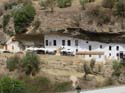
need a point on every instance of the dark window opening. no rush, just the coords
(46, 42)
(90, 47)
(109, 54)
(117, 48)
(54, 42)
(63, 42)
(69, 42)
(87, 42)
(117, 54)
(100, 46)
(110, 47)
(76, 50)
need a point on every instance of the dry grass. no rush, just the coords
(52, 58)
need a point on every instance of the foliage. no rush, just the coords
(8, 85)
(92, 64)
(116, 67)
(86, 69)
(64, 3)
(38, 85)
(13, 63)
(6, 19)
(48, 4)
(30, 63)
(119, 8)
(23, 15)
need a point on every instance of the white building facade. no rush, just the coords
(90, 49)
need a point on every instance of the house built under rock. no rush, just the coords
(87, 44)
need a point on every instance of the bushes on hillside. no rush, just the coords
(13, 63)
(64, 3)
(116, 67)
(23, 15)
(6, 19)
(119, 8)
(30, 63)
(8, 85)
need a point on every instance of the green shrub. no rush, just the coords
(13, 63)
(6, 19)
(23, 15)
(116, 67)
(38, 85)
(30, 63)
(119, 8)
(64, 3)
(92, 64)
(87, 70)
(61, 87)
(8, 85)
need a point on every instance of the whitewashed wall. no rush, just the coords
(84, 46)
(13, 46)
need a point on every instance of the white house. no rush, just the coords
(88, 49)
(19, 43)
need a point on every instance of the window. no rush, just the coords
(90, 47)
(110, 47)
(54, 42)
(69, 42)
(76, 50)
(117, 48)
(117, 54)
(100, 56)
(109, 54)
(87, 42)
(76, 43)
(46, 42)
(101, 46)
(63, 42)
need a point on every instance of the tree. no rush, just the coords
(8, 85)
(30, 63)
(92, 64)
(86, 70)
(48, 4)
(13, 63)
(23, 15)
(119, 8)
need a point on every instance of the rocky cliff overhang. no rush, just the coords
(105, 37)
